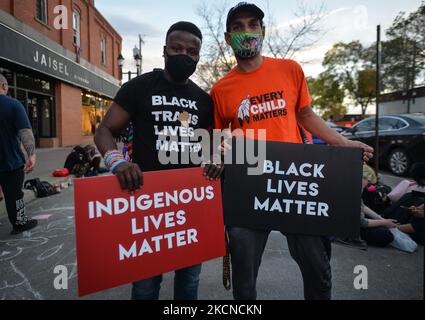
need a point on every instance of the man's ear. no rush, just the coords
(228, 38)
(264, 31)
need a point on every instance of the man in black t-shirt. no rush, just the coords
(160, 103)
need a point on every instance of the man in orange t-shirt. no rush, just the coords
(271, 94)
(269, 97)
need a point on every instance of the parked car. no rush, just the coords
(333, 126)
(401, 139)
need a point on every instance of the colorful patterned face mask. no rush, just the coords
(246, 44)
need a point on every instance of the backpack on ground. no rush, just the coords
(42, 189)
(375, 196)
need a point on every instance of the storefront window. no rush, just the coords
(8, 75)
(34, 84)
(93, 111)
(36, 95)
(22, 97)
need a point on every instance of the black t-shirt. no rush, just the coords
(159, 108)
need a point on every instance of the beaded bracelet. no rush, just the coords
(113, 158)
(116, 164)
(110, 154)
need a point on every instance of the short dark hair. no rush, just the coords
(417, 172)
(185, 26)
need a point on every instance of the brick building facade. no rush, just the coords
(65, 77)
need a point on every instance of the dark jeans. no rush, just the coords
(186, 283)
(11, 183)
(312, 254)
(379, 236)
(404, 217)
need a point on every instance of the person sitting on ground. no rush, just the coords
(75, 162)
(417, 173)
(370, 174)
(408, 203)
(418, 211)
(409, 211)
(84, 162)
(374, 229)
(93, 159)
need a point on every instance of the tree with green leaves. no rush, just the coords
(403, 55)
(349, 64)
(327, 96)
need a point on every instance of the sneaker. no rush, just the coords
(28, 226)
(356, 243)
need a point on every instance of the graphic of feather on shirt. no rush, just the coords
(243, 111)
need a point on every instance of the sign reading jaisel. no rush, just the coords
(17, 48)
(304, 189)
(174, 222)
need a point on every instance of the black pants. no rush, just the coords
(404, 217)
(11, 183)
(312, 254)
(379, 236)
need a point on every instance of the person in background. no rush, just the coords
(408, 199)
(84, 161)
(417, 173)
(93, 158)
(374, 229)
(127, 137)
(417, 211)
(15, 129)
(75, 162)
(369, 173)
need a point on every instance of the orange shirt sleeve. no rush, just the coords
(219, 121)
(304, 98)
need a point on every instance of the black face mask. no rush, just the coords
(180, 66)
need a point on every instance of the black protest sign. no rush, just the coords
(303, 189)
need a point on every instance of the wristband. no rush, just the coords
(111, 157)
(116, 164)
(112, 160)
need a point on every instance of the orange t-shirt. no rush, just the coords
(267, 98)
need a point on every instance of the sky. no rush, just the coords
(344, 21)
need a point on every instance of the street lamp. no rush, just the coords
(121, 65)
(120, 61)
(138, 58)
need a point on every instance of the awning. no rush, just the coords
(20, 49)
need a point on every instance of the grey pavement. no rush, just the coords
(27, 261)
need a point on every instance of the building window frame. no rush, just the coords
(76, 27)
(103, 50)
(41, 11)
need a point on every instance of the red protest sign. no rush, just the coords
(174, 221)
